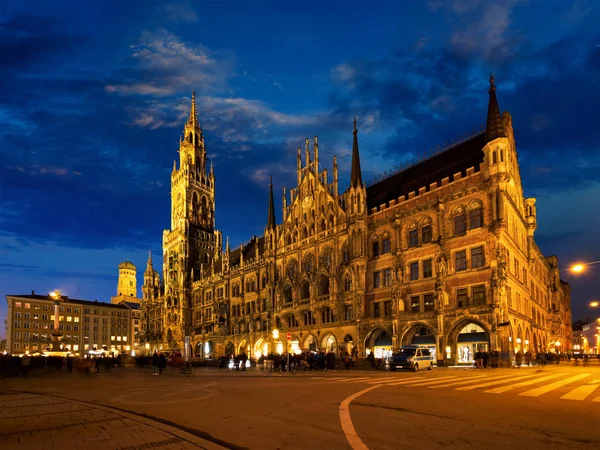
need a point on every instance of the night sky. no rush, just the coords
(94, 95)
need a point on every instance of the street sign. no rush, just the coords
(288, 336)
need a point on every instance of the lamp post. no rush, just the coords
(582, 266)
(56, 335)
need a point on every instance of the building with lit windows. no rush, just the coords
(440, 253)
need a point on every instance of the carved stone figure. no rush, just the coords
(442, 266)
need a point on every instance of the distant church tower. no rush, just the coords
(127, 284)
(192, 243)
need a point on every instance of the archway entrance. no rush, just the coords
(329, 343)
(229, 349)
(471, 339)
(241, 347)
(421, 335)
(348, 345)
(198, 350)
(261, 348)
(379, 342)
(310, 344)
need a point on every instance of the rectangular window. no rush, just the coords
(376, 310)
(461, 298)
(18, 304)
(476, 218)
(427, 268)
(27, 305)
(461, 261)
(414, 304)
(375, 249)
(477, 257)
(414, 271)
(387, 308)
(459, 224)
(387, 246)
(348, 312)
(426, 234)
(17, 315)
(413, 238)
(428, 302)
(376, 279)
(479, 295)
(387, 277)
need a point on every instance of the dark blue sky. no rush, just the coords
(94, 96)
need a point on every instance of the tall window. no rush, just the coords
(387, 245)
(476, 218)
(414, 304)
(479, 295)
(348, 312)
(427, 268)
(414, 271)
(376, 279)
(461, 298)
(376, 310)
(347, 284)
(426, 234)
(387, 277)
(413, 238)
(375, 249)
(461, 261)
(459, 224)
(387, 308)
(477, 257)
(428, 302)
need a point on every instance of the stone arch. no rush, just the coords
(261, 347)
(419, 333)
(310, 343)
(527, 342)
(304, 290)
(378, 335)
(242, 346)
(323, 287)
(329, 343)
(536, 348)
(466, 337)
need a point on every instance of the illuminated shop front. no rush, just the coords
(382, 345)
(471, 339)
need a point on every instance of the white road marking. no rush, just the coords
(502, 389)
(346, 421)
(355, 380)
(491, 383)
(550, 387)
(581, 392)
(468, 381)
(420, 381)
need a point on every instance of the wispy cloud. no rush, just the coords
(165, 65)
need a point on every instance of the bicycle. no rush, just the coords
(186, 368)
(297, 367)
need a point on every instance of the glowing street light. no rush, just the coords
(581, 267)
(594, 304)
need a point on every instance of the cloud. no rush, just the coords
(164, 65)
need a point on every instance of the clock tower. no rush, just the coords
(190, 246)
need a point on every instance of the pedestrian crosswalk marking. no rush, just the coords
(502, 389)
(463, 381)
(581, 393)
(597, 399)
(491, 383)
(352, 379)
(550, 387)
(416, 382)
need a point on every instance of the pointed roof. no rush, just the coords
(493, 128)
(149, 267)
(193, 119)
(271, 220)
(355, 173)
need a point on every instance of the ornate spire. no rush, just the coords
(271, 220)
(149, 267)
(493, 128)
(193, 120)
(355, 173)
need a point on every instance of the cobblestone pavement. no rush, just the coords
(33, 421)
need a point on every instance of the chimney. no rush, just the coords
(32, 292)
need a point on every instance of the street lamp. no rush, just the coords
(594, 304)
(582, 266)
(56, 335)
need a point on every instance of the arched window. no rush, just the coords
(323, 286)
(304, 291)
(287, 294)
(347, 283)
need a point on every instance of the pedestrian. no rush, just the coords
(155, 363)
(25, 365)
(162, 362)
(518, 359)
(527, 358)
(371, 359)
(478, 360)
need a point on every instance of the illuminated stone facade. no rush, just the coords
(441, 253)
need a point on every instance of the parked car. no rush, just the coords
(412, 357)
(175, 359)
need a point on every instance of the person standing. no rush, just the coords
(155, 363)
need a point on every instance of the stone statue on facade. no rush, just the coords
(442, 266)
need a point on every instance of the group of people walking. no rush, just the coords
(159, 362)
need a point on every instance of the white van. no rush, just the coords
(413, 357)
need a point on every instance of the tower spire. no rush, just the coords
(193, 120)
(493, 128)
(149, 267)
(271, 220)
(355, 173)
